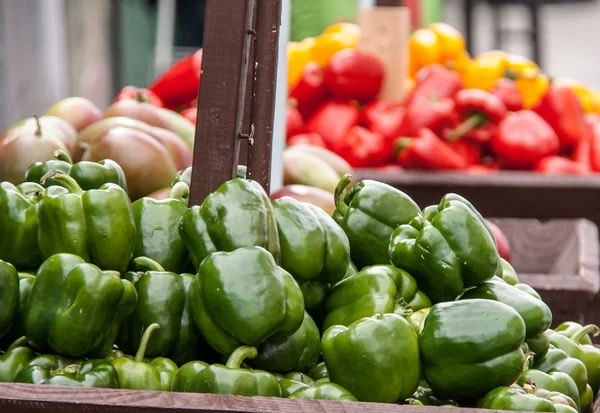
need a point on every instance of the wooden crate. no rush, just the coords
(559, 258)
(28, 398)
(504, 194)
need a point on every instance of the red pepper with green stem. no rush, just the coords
(179, 84)
(427, 151)
(436, 79)
(310, 91)
(476, 108)
(361, 148)
(561, 108)
(333, 120)
(523, 139)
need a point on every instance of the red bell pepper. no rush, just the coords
(587, 152)
(427, 151)
(190, 114)
(354, 74)
(310, 91)
(313, 139)
(558, 165)
(389, 125)
(481, 135)
(293, 121)
(179, 84)
(372, 110)
(507, 91)
(333, 120)
(476, 108)
(561, 108)
(523, 139)
(428, 112)
(435, 80)
(361, 147)
(470, 152)
(139, 94)
(482, 169)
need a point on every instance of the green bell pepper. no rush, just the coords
(557, 360)
(184, 176)
(75, 309)
(314, 249)
(61, 371)
(586, 353)
(587, 400)
(568, 328)
(447, 248)
(14, 359)
(526, 399)
(229, 378)
(470, 347)
(97, 224)
(375, 289)
(9, 295)
(19, 223)
(535, 313)
(157, 223)
(425, 396)
(556, 381)
(538, 345)
(375, 358)
(323, 391)
(143, 374)
(17, 330)
(162, 299)
(88, 175)
(238, 214)
(508, 273)
(368, 215)
(319, 372)
(298, 352)
(291, 383)
(243, 298)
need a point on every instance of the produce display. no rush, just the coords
(480, 115)
(376, 300)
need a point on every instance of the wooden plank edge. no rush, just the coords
(555, 282)
(589, 250)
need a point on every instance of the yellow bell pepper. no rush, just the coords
(328, 44)
(299, 54)
(517, 65)
(451, 42)
(344, 27)
(424, 50)
(585, 95)
(485, 70)
(532, 85)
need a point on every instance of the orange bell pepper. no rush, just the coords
(299, 54)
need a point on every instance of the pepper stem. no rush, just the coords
(401, 144)
(239, 355)
(528, 356)
(402, 308)
(242, 171)
(63, 180)
(72, 368)
(180, 191)
(62, 156)
(139, 356)
(146, 264)
(529, 387)
(584, 331)
(476, 120)
(340, 205)
(38, 131)
(17, 343)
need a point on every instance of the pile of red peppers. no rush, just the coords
(441, 125)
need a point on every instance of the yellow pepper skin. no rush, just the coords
(532, 85)
(451, 42)
(336, 37)
(299, 54)
(485, 70)
(424, 50)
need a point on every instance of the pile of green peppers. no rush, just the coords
(381, 302)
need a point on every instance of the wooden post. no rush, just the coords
(231, 33)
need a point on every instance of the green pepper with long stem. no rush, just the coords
(19, 223)
(97, 224)
(17, 356)
(141, 374)
(568, 328)
(368, 214)
(157, 229)
(229, 378)
(61, 371)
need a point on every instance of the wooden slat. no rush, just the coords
(266, 48)
(222, 88)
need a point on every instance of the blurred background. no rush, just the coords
(92, 48)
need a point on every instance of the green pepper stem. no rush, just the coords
(17, 343)
(146, 264)
(62, 156)
(529, 387)
(584, 331)
(242, 171)
(402, 308)
(72, 368)
(528, 356)
(476, 120)
(38, 131)
(401, 144)
(63, 180)
(340, 205)
(180, 191)
(239, 355)
(139, 356)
